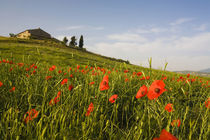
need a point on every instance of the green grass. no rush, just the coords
(127, 118)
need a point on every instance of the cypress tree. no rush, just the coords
(81, 42)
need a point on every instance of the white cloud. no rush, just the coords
(182, 53)
(127, 37)
(202, 27)
(151, 30)
(181, 21)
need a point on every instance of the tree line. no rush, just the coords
(73, 41)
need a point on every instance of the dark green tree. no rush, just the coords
(81, 42)
(65, 40)
(11, 35)
(73, 42)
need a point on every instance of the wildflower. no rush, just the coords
(156, 89)
(78, 66)
(59, 71)
(125, 71)
(1, 84)
(113, 98)
(70, 87)
(35, 67)
(52, 68)
(20, 64)
(143, 78)
(104, 85)
(91, 83)
(71, 76)
(64, 81)
(55, 100)
(176, 123)
(48, 77)
(90, 109)
(32, 114)
(169, 107)
(188, 75)
(11, 90)
(207, 103)
(164, 135)
(142, 92)
(126, 80)
(139, 74)
(148, 77)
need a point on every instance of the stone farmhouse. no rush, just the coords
(34, 34)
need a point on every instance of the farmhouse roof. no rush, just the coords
(37, 31)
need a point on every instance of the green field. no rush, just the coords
(25, 65)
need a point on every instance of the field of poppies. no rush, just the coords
(39, 101)
(49, 92)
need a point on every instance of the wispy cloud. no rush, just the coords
(126, 37)
(80, 27)
(202, 27)
(181, 21)
(151, 30)
(181, 52)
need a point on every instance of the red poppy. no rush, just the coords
(64, 81)
(156, 89)
(52, 68)
(139, 73)
(1, 84)
(113, 98)
(70, 87)
(59, 71)
(35, 67)
(30, 115)
(91, 83)
(148, 77)
(169, 107)
(188, 75)
(164, 135)
(142, 92)
(207, 103)
(126, 80)
(90, 109)
(176, 123)
(27, 69)
(78, 66)
(20, 64)
(55, 100)
(125, 71)
(11, 90)
(48, 77)
(71, 76)
(104, 85)
(143, 78)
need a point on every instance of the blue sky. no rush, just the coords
(173, 31)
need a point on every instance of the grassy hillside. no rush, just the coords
(50, 52)
(48, 91)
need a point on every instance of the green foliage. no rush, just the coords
(73, 42)
(65, 40)
(81, 42)
(11, 35)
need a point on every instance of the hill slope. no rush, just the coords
(41, 101)
(50, 52)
